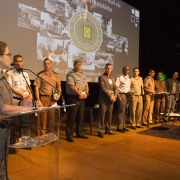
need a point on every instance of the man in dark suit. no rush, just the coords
(172, 85)
(107, 97)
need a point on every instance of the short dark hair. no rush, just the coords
(108, 64)
(150, 70)
(77, 61)
(3, 46)
(17, 56)
(46, 60)
(135, 68)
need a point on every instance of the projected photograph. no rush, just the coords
(86, 58)
(49, 48)
(96, 32)
(101, 59)
(51, 27)
(28, 17)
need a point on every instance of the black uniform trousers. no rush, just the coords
(75, 113)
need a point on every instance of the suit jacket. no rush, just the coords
(106, 88)
(169, 86)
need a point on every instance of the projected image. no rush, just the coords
(122, 45)
(51, 27)
(28, 17)
(96, 32)
(101, 59)
(86, 58)
(49, 48)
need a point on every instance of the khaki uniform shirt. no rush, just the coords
(149, 84)
(6, 96)
(78, 79)
(160, 86)
(44, 87)
(137, 85)
(17, 80)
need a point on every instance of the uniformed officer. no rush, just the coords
(136, 100)
(16, 79)
(160, 97)
(19, 83)
(47, 95)
(123, 83)
(8, 105)
(77, 90)
(107, 97)
(149, 92)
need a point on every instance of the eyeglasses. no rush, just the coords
(8, 54)
(126, 69)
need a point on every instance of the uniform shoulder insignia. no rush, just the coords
(119, 75)
(55, 72)
(40, 72)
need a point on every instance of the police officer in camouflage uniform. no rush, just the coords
(77, 90)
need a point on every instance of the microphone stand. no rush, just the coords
(33, 97)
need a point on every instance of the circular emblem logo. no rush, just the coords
(85, 32)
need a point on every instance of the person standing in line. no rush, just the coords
(123, 83)
(136, 99)
(47, 95)
(78, 90)
(19, 84)
(172, 85)
(160, 97)
(149, 92)
(107, 97)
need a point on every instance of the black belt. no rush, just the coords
(45, 95)
(17, 98)
(73, 95)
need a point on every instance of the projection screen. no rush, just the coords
(94, 31)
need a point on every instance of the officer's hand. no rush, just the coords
(85, 96)
(23, 96)
(81, 96)
(39, 104)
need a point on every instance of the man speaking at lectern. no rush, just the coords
(8, 105)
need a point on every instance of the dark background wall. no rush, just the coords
(159, 40)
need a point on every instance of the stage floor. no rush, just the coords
(124, 156)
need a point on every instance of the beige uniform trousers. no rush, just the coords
(148, 109)
(135, 107)
(46, 115)
(159, 105)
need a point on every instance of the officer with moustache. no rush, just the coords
(77, 90)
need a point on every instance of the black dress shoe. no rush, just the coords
(83, 137)
(14, 151)
(70, 139)
(110, 132)
(144, 124)
(121, 130)
(125, 129)
(28, 148)
(139, 127)
(100, 135)
(133, 127)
